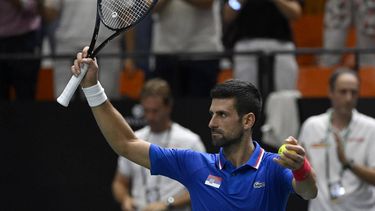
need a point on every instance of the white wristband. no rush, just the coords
(95, 95)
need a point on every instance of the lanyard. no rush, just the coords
(344, 138)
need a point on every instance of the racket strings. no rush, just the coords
(118, 14)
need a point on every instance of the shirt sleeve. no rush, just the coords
(173, 163)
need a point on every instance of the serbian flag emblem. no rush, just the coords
(213, 181)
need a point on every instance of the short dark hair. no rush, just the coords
(158, 87)
(247, 96)
(337, 73)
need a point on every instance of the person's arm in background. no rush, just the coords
(179, 201)
(229, 13)
(290, 8)
(51, 10)
(113, 126)
(129, 39)
(121, 191)
(182, 199)
(364, 173)
(304, 184)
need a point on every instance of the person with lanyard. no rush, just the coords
(155, 192)
(242, 176)
(340, 144)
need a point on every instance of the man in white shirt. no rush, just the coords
(155, 192)
(341, 147)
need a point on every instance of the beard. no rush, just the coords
(220, 139)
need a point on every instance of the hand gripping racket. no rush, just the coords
(117, 15)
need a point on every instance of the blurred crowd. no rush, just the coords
(154, 47)
(179, 42)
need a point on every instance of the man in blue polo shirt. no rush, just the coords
(241, 177)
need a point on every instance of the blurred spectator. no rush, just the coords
(187, 26)
(258, 25)
(338, 17)
(76, 15)
(133, 186)
(20, 23)
(340, 146)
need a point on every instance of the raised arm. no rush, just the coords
(115, 129)
(304, 181)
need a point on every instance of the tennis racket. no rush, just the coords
(116, 15)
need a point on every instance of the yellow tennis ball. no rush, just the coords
(283, 148)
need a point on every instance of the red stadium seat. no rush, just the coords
(45, 87)
(131, 83)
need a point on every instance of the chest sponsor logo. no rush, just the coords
(213, 181)
(320, 144)
(259, 185)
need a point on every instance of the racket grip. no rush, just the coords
(71, 87)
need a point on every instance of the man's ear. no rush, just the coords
(248, 120)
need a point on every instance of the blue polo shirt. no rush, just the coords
(215, 184)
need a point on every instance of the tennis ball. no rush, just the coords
(283, 148)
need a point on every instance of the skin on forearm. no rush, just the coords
(306, 188)
(113, 126)
(182, 200)
(295, 160)
(229, 14)
(120, 136)
(129, 40)
(120, 188)
(129, 47)
(364, 173)
(290, 8)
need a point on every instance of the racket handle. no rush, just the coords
(71, 87)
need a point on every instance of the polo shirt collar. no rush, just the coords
(254, 161)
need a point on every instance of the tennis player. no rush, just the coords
(242, 176)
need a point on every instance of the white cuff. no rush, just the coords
(95, 95)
